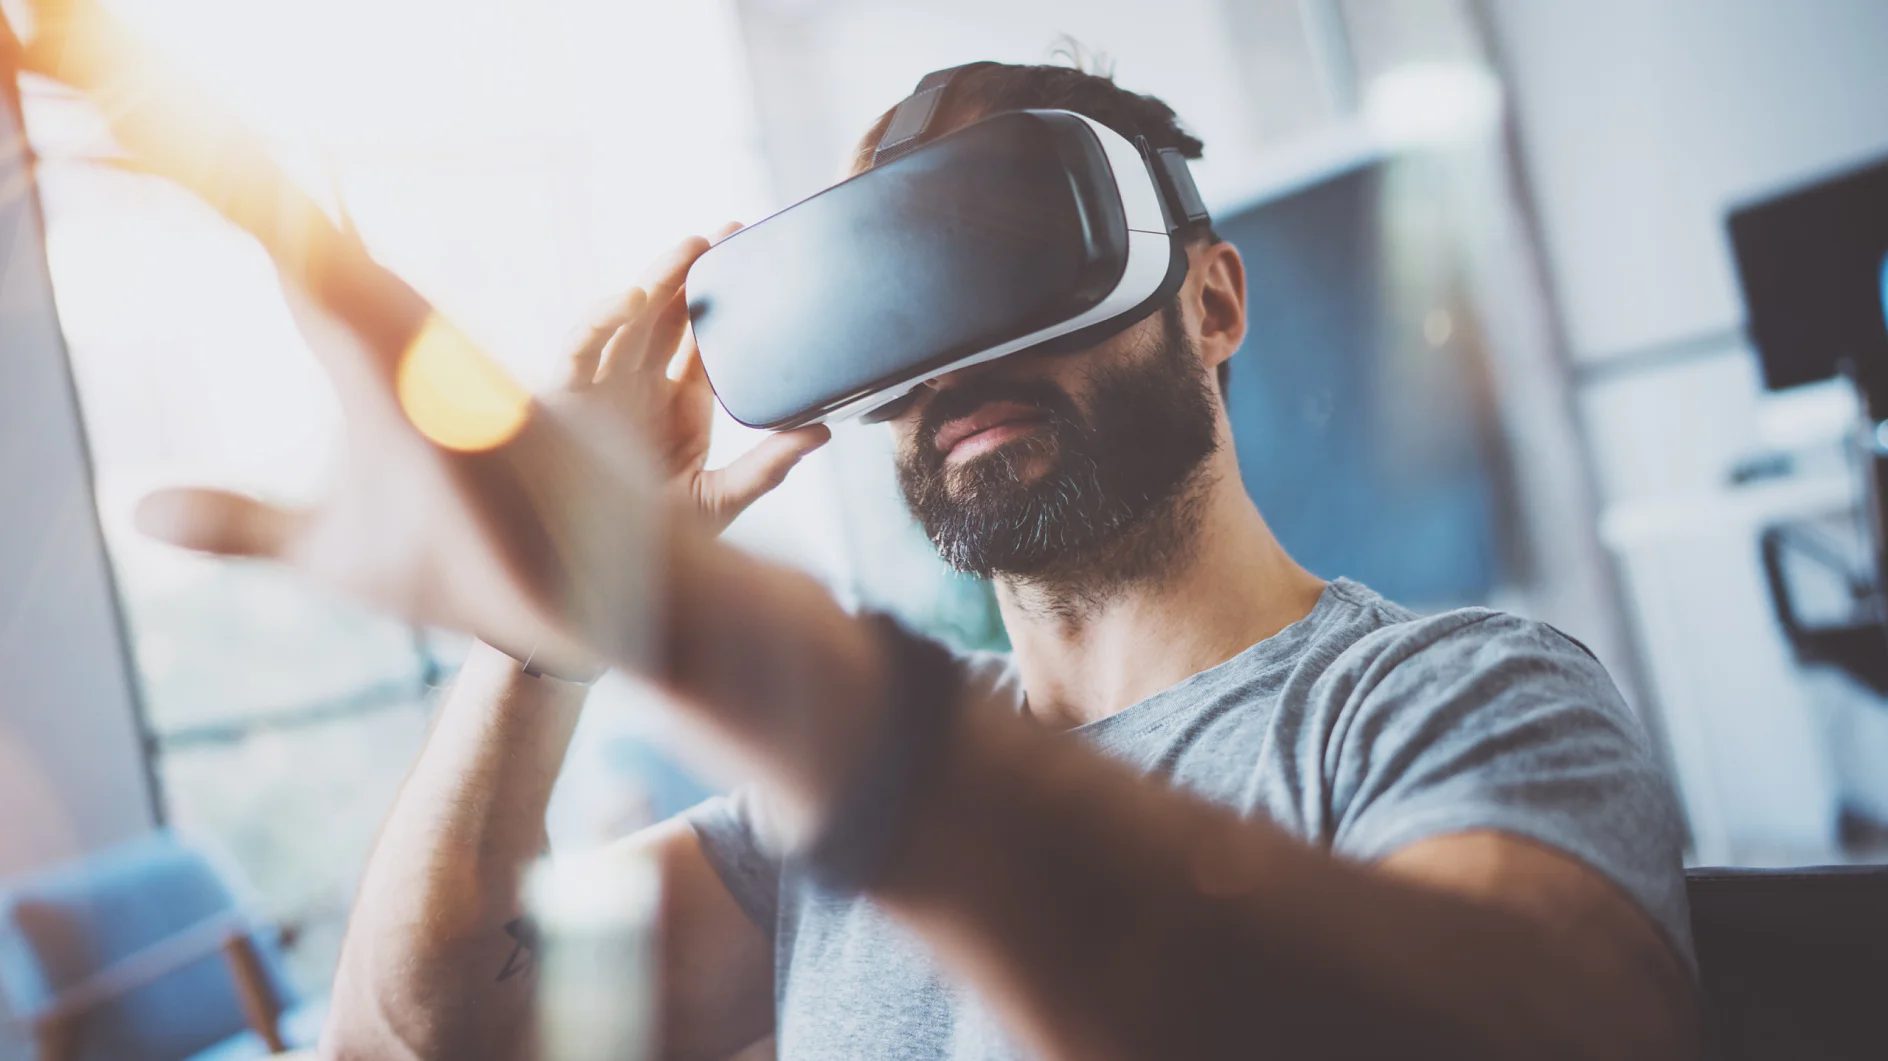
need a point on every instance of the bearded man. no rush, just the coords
(1209, 806)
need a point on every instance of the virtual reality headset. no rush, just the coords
(1029, 231)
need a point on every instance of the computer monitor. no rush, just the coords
(1810, 263)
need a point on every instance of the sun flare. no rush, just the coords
(457, 396)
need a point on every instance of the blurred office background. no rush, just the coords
(1497, 357)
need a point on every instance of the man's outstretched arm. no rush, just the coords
(1106, 915)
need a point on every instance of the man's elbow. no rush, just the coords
(1659, 1021)
(358, 1028)
(370, 1020)
(1614, 1007)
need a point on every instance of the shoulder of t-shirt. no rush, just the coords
(1396, 635)
(1475, 661)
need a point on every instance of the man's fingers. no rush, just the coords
(586, 348)
(648, 341)
(643, 349)
(688, 369)
(217, 521)
(730, 490)
(665, 277)
(666, 331)
(692, 372)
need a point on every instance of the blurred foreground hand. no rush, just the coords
(458, 499)
(546, 541)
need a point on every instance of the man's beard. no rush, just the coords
(1113, 505)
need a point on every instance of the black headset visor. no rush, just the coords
(1017, 232)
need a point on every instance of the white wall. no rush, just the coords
(1639, 121)
(71, 775)
(1643, 118)
(824, 69)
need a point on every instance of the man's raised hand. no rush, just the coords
(636, 350)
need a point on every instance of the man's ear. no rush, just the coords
(1216, 282)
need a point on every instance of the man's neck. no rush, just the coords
(1087, 652)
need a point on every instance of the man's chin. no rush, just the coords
(997, 491)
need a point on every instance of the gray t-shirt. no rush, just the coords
(1361, 728)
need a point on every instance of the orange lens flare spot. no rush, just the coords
(456, 395)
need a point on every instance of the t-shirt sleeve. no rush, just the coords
(1494, 722)
(737, 837)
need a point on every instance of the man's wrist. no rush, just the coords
(532, 665)
(875, 806)
(981, 810)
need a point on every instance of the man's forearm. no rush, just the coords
(1109, 917)
(436, 963)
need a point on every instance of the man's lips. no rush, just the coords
(990, 425)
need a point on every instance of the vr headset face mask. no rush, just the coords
(1039, 230)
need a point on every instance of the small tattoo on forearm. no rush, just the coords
(524, 950)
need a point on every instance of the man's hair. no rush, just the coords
(983, 89)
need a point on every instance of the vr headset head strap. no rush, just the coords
(912, 118)
(1177, 190)
(1179, 196)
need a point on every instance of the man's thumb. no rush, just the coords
(733, 488)
(215, 521)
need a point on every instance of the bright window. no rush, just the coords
(518, 162)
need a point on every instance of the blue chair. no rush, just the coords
(142, 953)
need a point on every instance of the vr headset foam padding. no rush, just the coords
(1037, 230)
